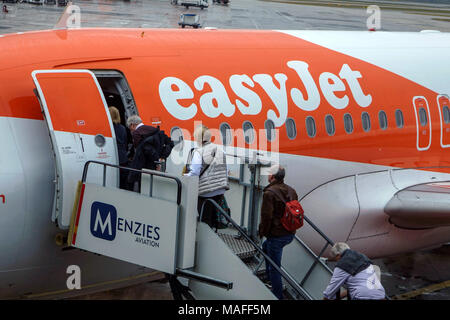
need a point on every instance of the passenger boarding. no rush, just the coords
(360, 120)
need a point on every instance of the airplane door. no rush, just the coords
(423, 123)
(444, 113)
(80, 129)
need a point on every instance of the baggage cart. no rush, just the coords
(189, 19)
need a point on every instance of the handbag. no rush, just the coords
(189, 159)
(222, 222)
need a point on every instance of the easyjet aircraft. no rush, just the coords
(362, 119)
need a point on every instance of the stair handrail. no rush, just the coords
(281, 270)
(328, 242)
(311, 253)
(143, 171)
(323, 235)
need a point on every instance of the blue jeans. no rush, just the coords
(273, 247)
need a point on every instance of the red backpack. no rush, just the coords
(292, 218)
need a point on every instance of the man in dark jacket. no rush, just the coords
(273, 206)
(146, 147)
(151, 145)
(139, 130)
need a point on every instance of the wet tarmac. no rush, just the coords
(155, 290)
(242, 14)
(422, 275)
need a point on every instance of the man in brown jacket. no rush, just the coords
(273, 206)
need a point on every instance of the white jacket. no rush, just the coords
(213, 173)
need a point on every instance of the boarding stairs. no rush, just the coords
(159, 228)
(304, 274)
(234, 254)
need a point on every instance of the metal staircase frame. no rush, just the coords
(151, 173)
(177, 288)
(284, 274)
(250, 234)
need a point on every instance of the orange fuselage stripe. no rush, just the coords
(264, 59)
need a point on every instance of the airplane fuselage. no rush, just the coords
(352, 110)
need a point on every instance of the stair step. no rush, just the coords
(241, 247)
(253, 264)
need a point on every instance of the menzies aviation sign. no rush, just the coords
(103, 221)
(127, 226)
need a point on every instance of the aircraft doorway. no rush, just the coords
(117, 92)
(81, 130)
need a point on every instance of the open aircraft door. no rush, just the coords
(80, 129)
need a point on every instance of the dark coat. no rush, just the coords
(272, 209)
(152, 145)
(142, 132)
(146, 154)
(122, 142)
(353, 262)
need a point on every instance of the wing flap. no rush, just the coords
(420, 207)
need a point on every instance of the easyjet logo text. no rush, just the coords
(174, 92)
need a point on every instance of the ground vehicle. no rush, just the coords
(192, 20)
(221, 1)
(194, 3)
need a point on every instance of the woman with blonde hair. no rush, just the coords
(208, 161)
(122, 144)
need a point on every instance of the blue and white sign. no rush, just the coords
(128, 226)
(103, 221)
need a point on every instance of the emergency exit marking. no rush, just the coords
(156, 120)
(2, 198)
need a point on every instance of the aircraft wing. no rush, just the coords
(421, 206)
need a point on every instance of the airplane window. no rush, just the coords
(291, 129)
(310, 126)
(225, 131)
(177, 136)
(249, 132)
(348, 123)
(270, 130)
(382, 118)
(399, 118)
(423, 117)
(329, 124)
(365, 119)
(446, 113)
(100, 140)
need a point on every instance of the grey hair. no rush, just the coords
(338, 249)
(134, 119)
(202, 134)
(277, 172)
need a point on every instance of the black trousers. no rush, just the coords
(123, 175)
(210, 211)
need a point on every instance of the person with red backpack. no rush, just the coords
(281, 216)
